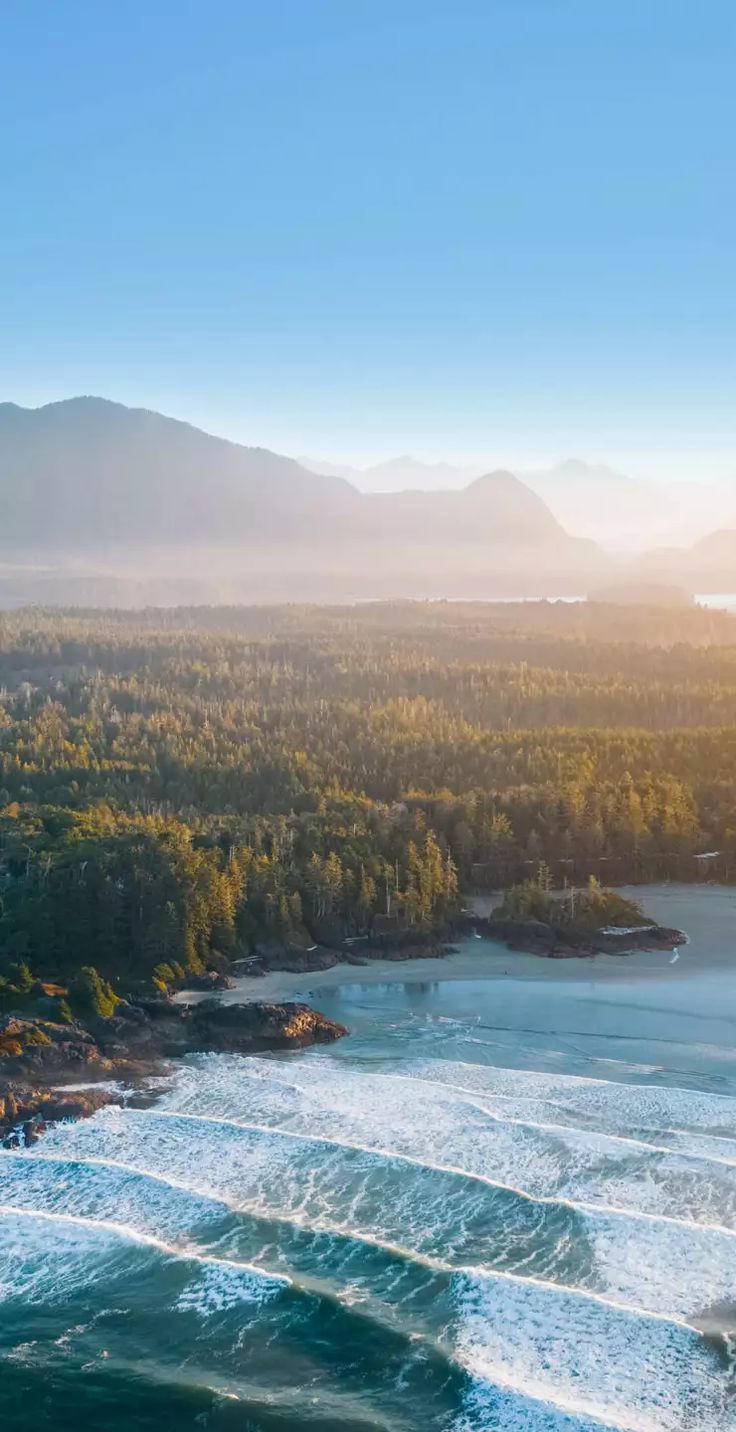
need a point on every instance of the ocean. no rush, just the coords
(503, 1202)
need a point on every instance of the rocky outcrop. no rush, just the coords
(295, 959)
(169, 1030)
(246, 1028)
(537, 937)
(211, 981)
(25, 1110)
(333, 947)
(30, 1045)
(35, 1054)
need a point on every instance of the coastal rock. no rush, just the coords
(170, 1029)
(243, 1028)
(211, 981)
(538, 937)
(295, 959)
(25, 1110)
(133, 1045)
(42, 1046)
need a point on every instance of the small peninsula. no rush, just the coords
(66, 1068)
(573, 924)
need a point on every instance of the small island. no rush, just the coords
(573, 924)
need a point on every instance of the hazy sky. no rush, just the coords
(359, 227)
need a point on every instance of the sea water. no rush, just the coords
(442, 1222)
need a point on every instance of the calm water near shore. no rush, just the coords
(507, 1201)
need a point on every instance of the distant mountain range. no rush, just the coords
(594, 500)
(88, 470)
(588, 499)
(104, 503)
(398, 474)
(89, 480)
(709, 565)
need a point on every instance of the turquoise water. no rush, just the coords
(432, 1225)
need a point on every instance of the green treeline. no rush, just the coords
(177, 785)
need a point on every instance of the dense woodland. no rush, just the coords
(183, 786)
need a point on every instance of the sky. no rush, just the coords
(496, 231)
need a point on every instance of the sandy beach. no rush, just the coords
(653, 1008)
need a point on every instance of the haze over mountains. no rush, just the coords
(137, 493)
(104, 503)
(589, 499)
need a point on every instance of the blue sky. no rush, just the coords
(354, 228)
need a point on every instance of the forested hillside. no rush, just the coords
(177, 784)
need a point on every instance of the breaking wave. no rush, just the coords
(400, 1242)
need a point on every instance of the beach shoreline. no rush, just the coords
(481, 959)
(674, 1012)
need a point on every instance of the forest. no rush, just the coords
(179, 788)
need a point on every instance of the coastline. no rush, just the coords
(484, 960)
(470, 959)
(672, 1015)
(41, 1061)
(648, 997)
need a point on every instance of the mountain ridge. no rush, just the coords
(91, 469)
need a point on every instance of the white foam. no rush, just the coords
(616, 1106)
(608, 1210)
(98, 1185)
(606, 1370)
(506, 1329)
(414, 1118)
(656, 1265)
(497, 1409)
(221, 1287)
(107, 1230)
(38, 1266)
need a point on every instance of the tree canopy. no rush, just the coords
(175, 787)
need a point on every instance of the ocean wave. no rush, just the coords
(105, 1228)
(414, 1119)
(432, 1216)
(666, 1382)
(125, 1189)
(505, 1327)
(481, 1247)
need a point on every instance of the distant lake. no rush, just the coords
(717, 599)
(725, 600)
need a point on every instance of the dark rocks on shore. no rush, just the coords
(295, 959)
(26, 1110)
(333, 947)
(30, 1045)
(170, 1029)
(537, 937)
(211, 981)
(36, 1054)
(245, 1028)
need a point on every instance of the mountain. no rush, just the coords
(594, 500)
(590, 500)
(88, 471)
(718, 547)
(97, 494)
(397, 474)
(708, 565)
(497, 507)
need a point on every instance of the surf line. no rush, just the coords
(478, 1099)
(121, 1230)
(565, 1080)
(426, 1260)
(577, 1205)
